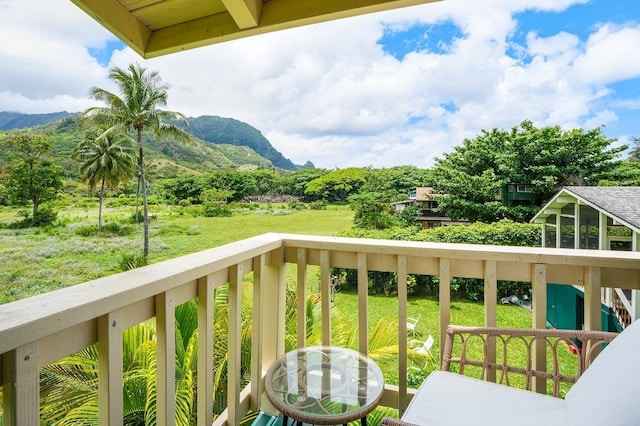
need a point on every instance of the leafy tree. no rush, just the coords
(297, 181)
(627, 173)
(399, 180)
(182, 187)
(32, 177)
(269, 182)
(338, 185)
(136, 109)
(634, 153)
(239, 183)
(371, 210)
(544, 158)
(107, 158)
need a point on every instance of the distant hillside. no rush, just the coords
(166, 158)
(227, 130)
(16, 120)
(253, 147)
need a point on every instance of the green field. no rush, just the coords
(40, 260)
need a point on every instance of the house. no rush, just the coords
(516, 194)
(596, 218)
(426, 200)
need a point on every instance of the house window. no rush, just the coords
(524, 188)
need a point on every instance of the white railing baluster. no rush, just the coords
(325, 296)
(539, 319)
(363, 305)
(301, 294)
(110, 406)
(490, 311)
(234, 346)
(21, 390)
(165, 358)
(444, 299)
(205, 351)
(402, 333)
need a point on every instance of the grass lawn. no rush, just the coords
(40, 260)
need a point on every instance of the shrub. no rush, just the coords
(215, 209)
(130, 261)
(318, 205)
(184, 203)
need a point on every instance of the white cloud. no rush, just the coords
(612, 54)
(329, 93)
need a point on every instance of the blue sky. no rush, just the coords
(393, 88)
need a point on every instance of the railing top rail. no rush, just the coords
(551, 256)
(30, 319)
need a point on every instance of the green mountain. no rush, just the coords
(16, 120)
(166, 157)
(227, 130)
(218, 143)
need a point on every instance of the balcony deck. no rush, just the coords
(37, 331)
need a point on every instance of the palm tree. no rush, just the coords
(142, 93)
(108, 158)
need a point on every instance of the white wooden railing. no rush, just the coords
(37, 331)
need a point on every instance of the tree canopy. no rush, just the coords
(32, 176)
(545, 159)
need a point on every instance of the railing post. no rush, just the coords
(444, 298)
(257, 334)
(325, 296)
(21, 390)
(402, 338)
(205, 351)
(539, 307)
(110, 405)
(363, 303)
(592, 301)
(301, 296)
(273, 293)
(490, 314)
(235, 336)
(165, 358)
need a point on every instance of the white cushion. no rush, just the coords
(608, 393)
(452, 399)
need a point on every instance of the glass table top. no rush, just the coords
(324, 384)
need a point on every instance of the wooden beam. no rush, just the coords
(112, 15)
(275, 16)
(246, 13)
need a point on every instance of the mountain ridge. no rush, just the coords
(212, 130)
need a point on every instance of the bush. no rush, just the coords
(184, 203)
(45, 216)
(296, 205)
(130, 261)
(109, 229)
(318, 205)
(504, 232)
(215, 209)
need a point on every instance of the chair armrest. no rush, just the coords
(388, 421)
(494, 343)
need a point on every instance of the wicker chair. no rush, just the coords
(605, 394)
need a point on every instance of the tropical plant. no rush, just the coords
(142, 93)
(69, 387)
(108, 158)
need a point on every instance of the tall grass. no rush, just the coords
(36, 261)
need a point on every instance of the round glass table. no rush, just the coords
(324, 385)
